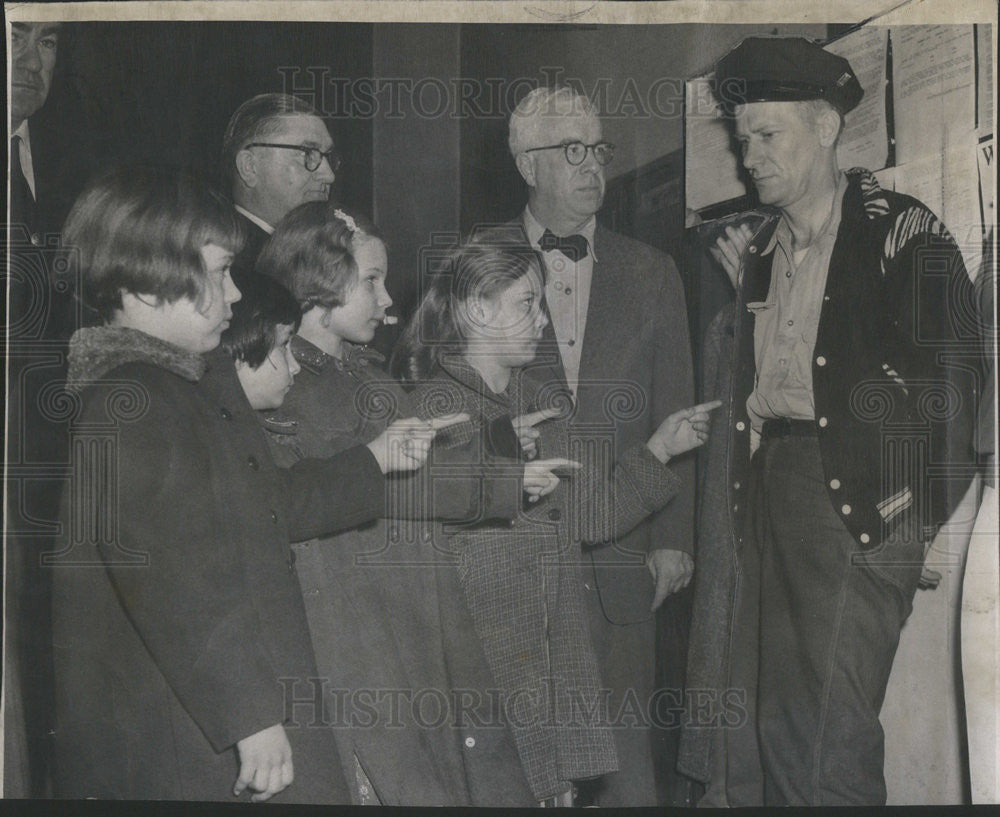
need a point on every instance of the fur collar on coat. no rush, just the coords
(95, 351)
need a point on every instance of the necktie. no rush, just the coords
(22, 204)
(574, 247)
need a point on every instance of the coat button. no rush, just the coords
(555, 514)
(845, 509)
(835, 484)
(225, 414)
(821, 361)
(741, 426)
(252, 462)
(470, 743)
(291, 560)
(822, 422)
(736, 485)
(274, 517)
(752, 248)
(865, 538)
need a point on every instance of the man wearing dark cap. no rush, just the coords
(849, 429)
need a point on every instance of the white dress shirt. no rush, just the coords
(567, 295)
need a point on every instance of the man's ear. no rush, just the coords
(246, 167)
(526, 167)
(828, 127)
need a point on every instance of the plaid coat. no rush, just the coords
(522, 580)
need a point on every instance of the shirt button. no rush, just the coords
(470, 743)
(845, 509)
(822, 422)
(252, 462)
(788, 274)
(835, 484)
(821, 361)
(274, 517)
(865, 538)
(225, 414)
(572, 342)
(791, 323)
(569, 290)
(555, 514)
(741, 426)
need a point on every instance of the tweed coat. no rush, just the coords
(523, 581)
(178, 624)
(635, 370)
(372, 597)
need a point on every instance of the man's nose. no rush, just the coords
(751, 155)
(325, 172)
(28, 58)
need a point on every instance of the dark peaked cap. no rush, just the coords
(784, 69)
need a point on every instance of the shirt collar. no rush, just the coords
(267, 228)
(22, 132)
(534, 229)
(783, 234)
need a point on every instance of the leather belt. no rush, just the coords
(783, 427)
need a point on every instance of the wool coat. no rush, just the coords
(377, 614)
(523, 582)
(179, 627)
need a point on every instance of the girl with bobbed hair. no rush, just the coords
(476, 329)
(179, 633)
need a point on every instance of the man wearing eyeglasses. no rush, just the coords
(618, 341)
(277, 154)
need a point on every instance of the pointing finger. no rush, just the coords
(446, 420)
(533, 418)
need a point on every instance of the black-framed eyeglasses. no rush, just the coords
(576, 152)
(312, 157)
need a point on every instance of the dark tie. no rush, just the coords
(574, 247)
(23, 209)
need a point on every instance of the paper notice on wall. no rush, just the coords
(865, 140)
(934, 89)
(711, 171)
(988, 180)
(948, 184)
(984, 66)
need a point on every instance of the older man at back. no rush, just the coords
(617, 345)
(276, 154)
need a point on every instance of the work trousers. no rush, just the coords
(817, 626)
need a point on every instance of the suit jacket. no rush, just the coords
(635, 369)
(256, 238)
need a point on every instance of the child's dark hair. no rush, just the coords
(264, 307)
(141, 230)
(311, 253)
(480, 268)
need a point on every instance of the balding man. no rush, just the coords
(617, 343)
(276, 154)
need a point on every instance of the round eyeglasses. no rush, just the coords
(576, 152)
(311, 157)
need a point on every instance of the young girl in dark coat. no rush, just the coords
(181, 645)
(478, 324)
(384, 610)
